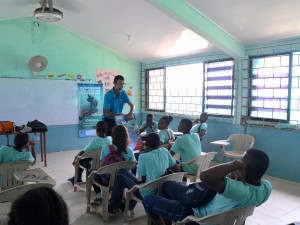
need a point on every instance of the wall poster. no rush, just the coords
(90, 102)
(106, 77)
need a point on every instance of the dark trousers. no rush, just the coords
(124, 179)
(111, 124)
(175, 204)
(86, 164)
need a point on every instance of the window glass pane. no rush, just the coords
(269, 93)
(155, 88)
(184, 83)
(218, 87)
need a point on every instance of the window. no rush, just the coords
(184, 89)
(219, 87)
(155, 89)
(270, 87)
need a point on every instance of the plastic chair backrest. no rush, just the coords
(234, 216)
(203, 162)
(95, 156)
(158, 183)
(7, 173)
(242, 142)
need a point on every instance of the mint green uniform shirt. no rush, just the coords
(189, 147)
(153, 165)
(148, 130)
(164, 137)
(97, 142)
(129, 156)
(196, 127)
(9, 154)
(236, 195)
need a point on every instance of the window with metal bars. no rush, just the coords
(219, 89)
(275, 87)
(182, 89)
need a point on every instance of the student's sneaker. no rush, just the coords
(71, 181)
(97, 201)
(113, 212)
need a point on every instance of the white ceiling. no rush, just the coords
(155, 35)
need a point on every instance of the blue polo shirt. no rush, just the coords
(114, 103)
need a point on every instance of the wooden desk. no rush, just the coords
(42, 143)
(34, 175)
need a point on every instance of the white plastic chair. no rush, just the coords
(155, 184)
(8, 196)
(203, 162)
(111, 169)
(241, 143)
(7, 173)
(231, 217)
(96, 164)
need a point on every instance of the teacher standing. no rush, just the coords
(114, 101)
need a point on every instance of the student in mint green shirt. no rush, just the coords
(201, 126)
(149, 125)
(98, 142)
(151, 165)
(18, 152)
(166, 135)
(188, 146)
(244, 188)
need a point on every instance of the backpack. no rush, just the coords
(37, 125)
(113, 156)
(199, 128)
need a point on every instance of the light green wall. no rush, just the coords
(66, 52)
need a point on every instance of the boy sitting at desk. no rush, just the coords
(201, 126)
(188, 146)
(17, 153)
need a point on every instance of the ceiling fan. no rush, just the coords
(47, 13)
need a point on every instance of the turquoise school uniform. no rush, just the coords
(165, 135)
(115, 103)
(153, 165)
(98, 142)
(148, 130)
(195, 128)
(129, 156)
(236, 195)
(10, 154)
(189, 147)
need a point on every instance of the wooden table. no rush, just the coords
(34, 175)
(42, 143)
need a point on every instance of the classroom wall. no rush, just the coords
(282, 146)
(67, 53)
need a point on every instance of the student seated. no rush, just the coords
(201, 126)
(120, 143)
(188, 146)
(39, 206)
(247, 189)
(151, 165)
(98, 142)
(166, 135)
(18, 152)
(149, 125)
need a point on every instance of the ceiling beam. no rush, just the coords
(194, 20)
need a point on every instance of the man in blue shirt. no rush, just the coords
(114, 101)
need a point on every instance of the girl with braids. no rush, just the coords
(120, 149)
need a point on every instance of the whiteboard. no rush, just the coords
(53, 102)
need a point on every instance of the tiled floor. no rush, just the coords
(283, 206)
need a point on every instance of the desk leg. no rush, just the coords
(44, 147)
(41, 146)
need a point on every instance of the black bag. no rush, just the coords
(197, 194)
(37, 125)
